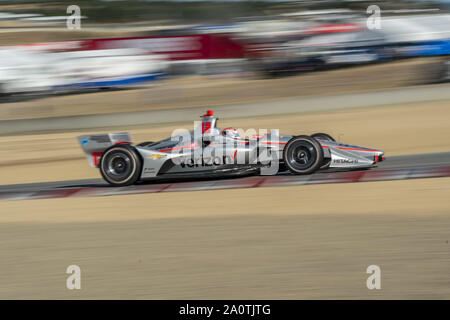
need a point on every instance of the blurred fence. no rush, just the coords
(271, 46)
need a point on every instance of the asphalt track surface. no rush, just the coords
(393, 168)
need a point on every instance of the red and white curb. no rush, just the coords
(248, 182)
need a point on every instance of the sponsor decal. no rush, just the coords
(149, 170)
(156, 156)
(100, 138)
(206, 161)
(349, 161)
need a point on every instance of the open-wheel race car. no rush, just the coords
(208, 152)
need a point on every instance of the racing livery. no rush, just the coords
(207, 152)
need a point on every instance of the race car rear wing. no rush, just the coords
(94, 145)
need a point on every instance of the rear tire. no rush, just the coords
(303, 155)
(121, 165)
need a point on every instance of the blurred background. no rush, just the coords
(126, 44)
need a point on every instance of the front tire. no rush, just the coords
(121, 165)
(303, 155)
(322, 136)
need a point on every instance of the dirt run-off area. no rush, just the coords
(307, 242)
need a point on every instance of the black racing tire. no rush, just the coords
(303, 155)
(322, 136)
(121, 165)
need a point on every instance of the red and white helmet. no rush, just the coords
(231, 133)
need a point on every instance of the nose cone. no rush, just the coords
(379, 156)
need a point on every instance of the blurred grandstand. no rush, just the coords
(134, 42)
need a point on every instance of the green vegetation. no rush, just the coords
(147, 11)
(156, 11)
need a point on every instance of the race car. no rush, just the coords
(207, 152)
